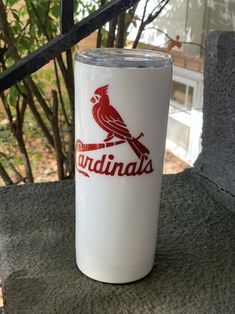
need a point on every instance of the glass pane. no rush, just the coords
(190, 97)
(178, 133)
(181, 96)
(178, 93)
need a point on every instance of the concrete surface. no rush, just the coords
(216, 163)
(193, 268)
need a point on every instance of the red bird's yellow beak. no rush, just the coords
(93, 99)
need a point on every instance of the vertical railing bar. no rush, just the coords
(66, 17)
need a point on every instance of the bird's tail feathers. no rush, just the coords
(138, 148)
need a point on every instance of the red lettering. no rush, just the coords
(107, 171)
(119, 166)
(139, 172)
(107, 166)
(88, 163)
(81, 160)
(131, 169)
(149, 167)
(98, 166)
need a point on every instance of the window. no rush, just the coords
(185, 116)
(181, 96)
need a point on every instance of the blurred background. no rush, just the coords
(36, 115)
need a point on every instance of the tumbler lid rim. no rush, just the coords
(124, 58)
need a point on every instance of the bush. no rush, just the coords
(37, 117)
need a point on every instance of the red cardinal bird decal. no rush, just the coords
(110, 120)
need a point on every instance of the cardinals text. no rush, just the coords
(107, 165)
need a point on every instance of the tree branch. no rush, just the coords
(71, 92)
(172, 39)
(99, 34)
(7, 180)
(60, 60)
(6, 107)
(40, 23)
(20, 178)
(144, 12)
(18, 133)
(16, 128)
(158, 10)
(38, 117)
(57, 140)
(60, 92)
(120, 40)
(34, 90)
(111, 33)
(63, 70)
(131, 12)
(151, 17)
(22, 110)
(70, 75)
(7, 34)
(47, 14)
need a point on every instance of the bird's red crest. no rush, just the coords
(102, 90)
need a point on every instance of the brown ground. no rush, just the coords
(173, 164)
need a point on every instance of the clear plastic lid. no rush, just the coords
(124, 58)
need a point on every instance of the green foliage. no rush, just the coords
(32, 24)
(84, 8)
(104, 37)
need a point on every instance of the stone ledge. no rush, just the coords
(216, 161)
(221, 196)
(192, 271)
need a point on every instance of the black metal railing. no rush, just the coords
(70, 35)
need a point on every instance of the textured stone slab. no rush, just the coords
(192, 272)
(216, 163)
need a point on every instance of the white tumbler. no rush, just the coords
(121, 111)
